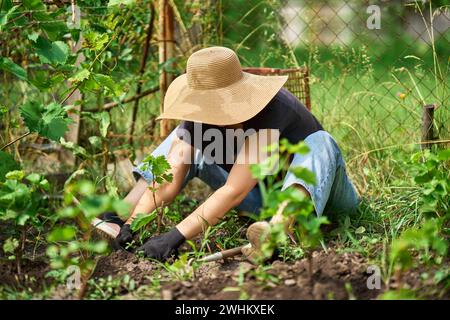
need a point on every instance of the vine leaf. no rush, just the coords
(113, 3)
(8, 65)
(54, 53)
(5, 17)
(105, 121)
(49, 121)
(50, 22)
(80, 76)
(95, 40)
(106, 81)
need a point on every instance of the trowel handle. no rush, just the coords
(223, 254)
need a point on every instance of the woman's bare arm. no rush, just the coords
(239, 183)
(179, 158)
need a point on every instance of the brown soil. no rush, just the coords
(331, 273)
(32, 274)
(335, 276)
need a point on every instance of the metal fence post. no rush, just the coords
(427, 125)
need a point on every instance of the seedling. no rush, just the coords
(425, 239)
(159, 168)
(243, 295)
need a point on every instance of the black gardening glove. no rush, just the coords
(111, 217)
(125, 236)
(163, 246)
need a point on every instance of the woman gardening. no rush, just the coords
(228, 118)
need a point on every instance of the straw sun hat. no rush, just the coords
(215, 90)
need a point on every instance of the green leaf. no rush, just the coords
(22, 219)
(68, 212)
(104, 120)
(399, 294)
(54, 53)
(8, 65)
(7, 164)
(31, 113)
(10, 245)
(304, 174)
(360, 230)
(106, 81)
(80, 76)
(6, 5)
(76, 149)
(95, 141)
(94, 40)
(4, 18)
(15, 175)
(33, 36)
(113, 3)
(34, 5)
(86, 188)
(62, 234)
(34, 178)
(444, 155)
(49, 121)
(50, 22)
(54, 122)
(44, 184)
(142, 220)
(299, 148)
(96, 247)
(46, 79)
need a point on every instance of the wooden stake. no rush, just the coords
(73, 133)
(166, 52)
(427, 125)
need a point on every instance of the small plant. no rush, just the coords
(240, 288)
(263, 276)
(110, 288)
(159, 168)
(71, 240)
(432, 174)
(23, 204)
(430, 240)
(182, 269)
(424, 240)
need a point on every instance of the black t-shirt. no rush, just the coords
(284, 113)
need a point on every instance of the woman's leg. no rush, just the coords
(333, 191)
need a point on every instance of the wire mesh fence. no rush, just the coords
(373, 66)
(365, 69)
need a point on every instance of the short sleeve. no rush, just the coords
(185, 131)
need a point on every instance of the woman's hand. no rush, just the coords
(163, 246)
(125, 236)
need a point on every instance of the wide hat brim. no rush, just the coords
(229, 105)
